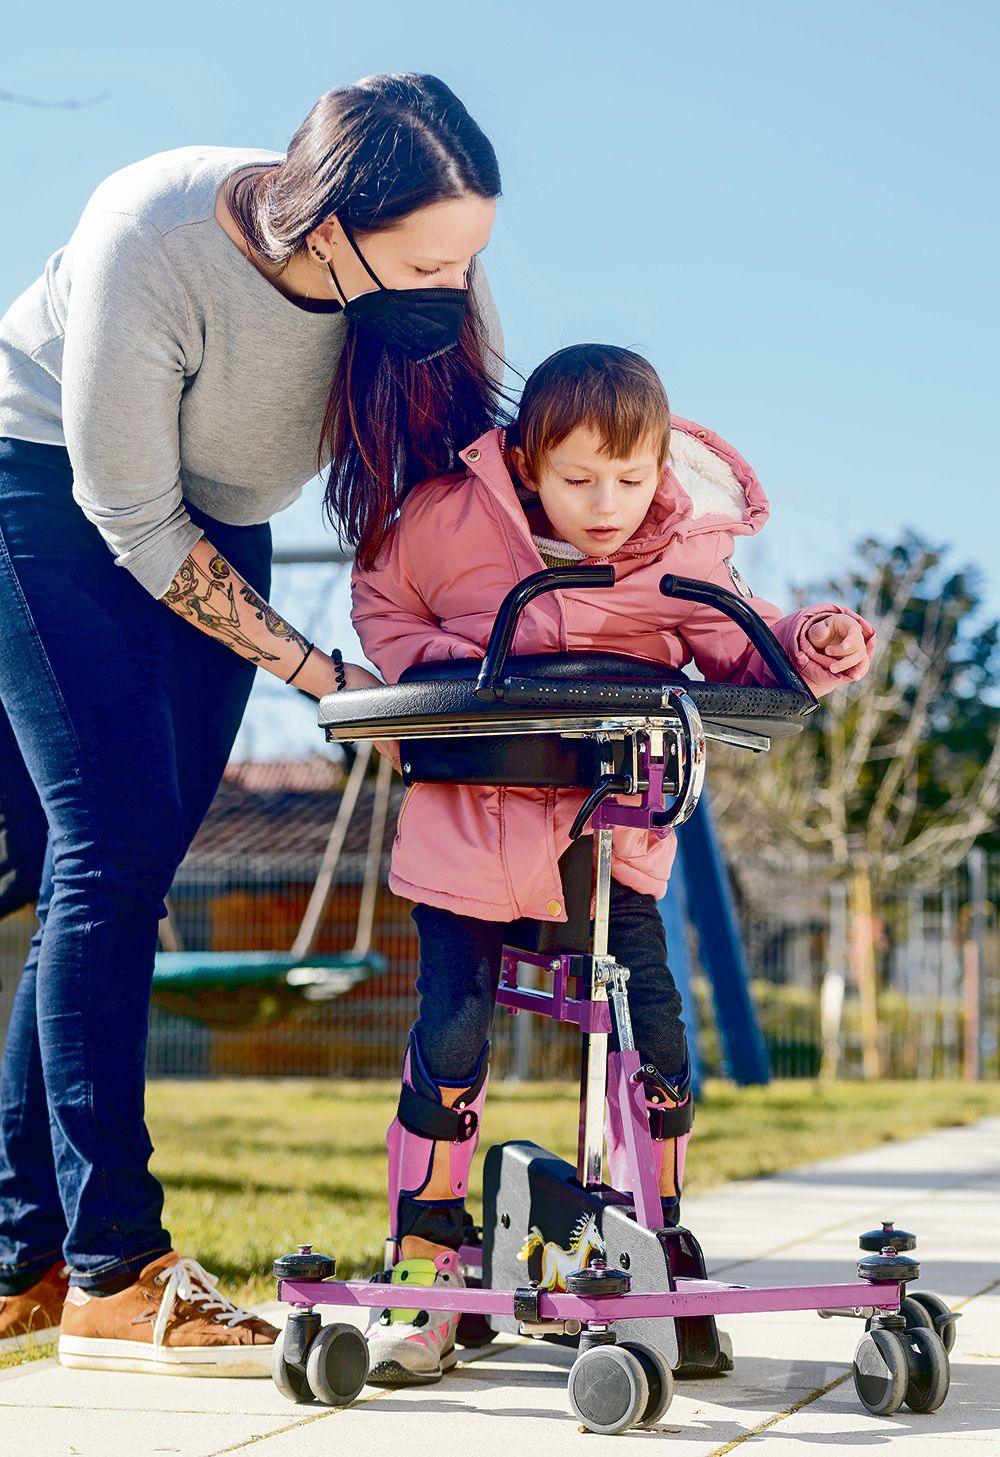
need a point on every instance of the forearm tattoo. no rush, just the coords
(207, 600)
(275, 625)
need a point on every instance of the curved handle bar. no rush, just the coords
(516, 600)
(756, 629)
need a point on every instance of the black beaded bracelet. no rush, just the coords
(298, 670)
(337, 658)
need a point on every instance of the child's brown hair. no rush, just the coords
(614, 392)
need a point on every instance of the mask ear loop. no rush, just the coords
(364, 261)
(336, 284)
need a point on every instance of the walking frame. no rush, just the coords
(561, 1255)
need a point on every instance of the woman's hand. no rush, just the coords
(839, 639)
(320, 678)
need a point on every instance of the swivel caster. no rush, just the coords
(913, 1312)
(337, 1364)
(893, 1366)
(924, 1311)
(609, 1390)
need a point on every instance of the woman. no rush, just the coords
(221, 324)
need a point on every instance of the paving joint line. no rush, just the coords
(280, 1432)
(484, 1354)
(943, 1188)
(830, 1386)
(780, 1416)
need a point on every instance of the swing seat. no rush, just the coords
(230, 989)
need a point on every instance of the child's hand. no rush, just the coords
(840, 639)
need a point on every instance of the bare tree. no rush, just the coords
(904, 767)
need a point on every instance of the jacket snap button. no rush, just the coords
(553, 908)
(701, 434)
(472, 454)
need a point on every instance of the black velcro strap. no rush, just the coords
(442, 1223)
(671, 1122)
(433, 1120)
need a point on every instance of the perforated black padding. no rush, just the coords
(554, 684)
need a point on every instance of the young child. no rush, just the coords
(593, 470)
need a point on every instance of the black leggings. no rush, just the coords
(460, 970)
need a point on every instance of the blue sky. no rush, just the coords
(786, 206)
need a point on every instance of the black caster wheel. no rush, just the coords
(290, 1380)
(915, 1314)
(660, 1379)
(929, 1372)
(337, 1364)
(942, 1318)
(608, 1389)
(881, 1371)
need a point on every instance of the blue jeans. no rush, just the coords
(460, 971)
(125, 716)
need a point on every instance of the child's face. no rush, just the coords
(593, 502)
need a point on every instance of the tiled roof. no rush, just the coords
(317, 773)
(271, 822)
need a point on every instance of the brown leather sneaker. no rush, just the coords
(173, 1321)
(31, 1319)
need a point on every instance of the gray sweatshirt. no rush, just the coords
(168, 366)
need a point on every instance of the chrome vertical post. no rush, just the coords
(594, 1073)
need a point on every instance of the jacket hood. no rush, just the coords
(706, 486)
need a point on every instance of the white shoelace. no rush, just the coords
(189, 1281)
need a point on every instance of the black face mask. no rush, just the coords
(421, 322)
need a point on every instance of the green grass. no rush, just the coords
(21, 1358)
(253, 1168)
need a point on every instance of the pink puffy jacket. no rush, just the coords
(461, 543)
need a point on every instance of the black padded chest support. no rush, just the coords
(540, 685)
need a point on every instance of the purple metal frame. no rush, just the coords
(691, 1298)
(557, 1004)
(612, 812)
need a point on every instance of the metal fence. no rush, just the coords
(908, 986)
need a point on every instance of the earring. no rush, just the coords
(319, 255)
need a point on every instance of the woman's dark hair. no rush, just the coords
(615, 392)
(372, 153)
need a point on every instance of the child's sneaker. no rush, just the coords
(171, 1321)
(31, 1320)
(414, 1347)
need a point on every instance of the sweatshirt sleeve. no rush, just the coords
(723, 653)
(124, 371)
(391, 616)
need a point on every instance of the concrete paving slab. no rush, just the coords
(52, 1432)
(791, 1391)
